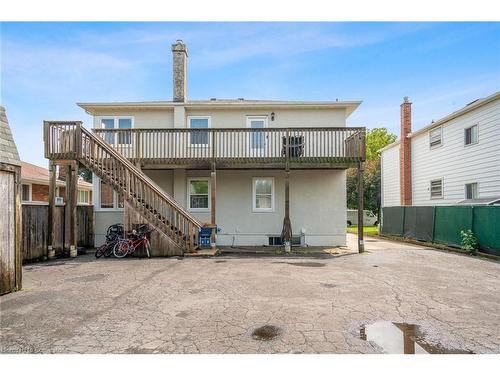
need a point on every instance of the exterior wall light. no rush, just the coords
(272, 116)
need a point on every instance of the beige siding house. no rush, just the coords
(249, 207)
(453, 160)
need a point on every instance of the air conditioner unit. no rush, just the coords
(59, 200)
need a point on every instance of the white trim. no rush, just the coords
(477, 189)
(442, 188)
(440, 128)
(477, 135)
(252, 150)
(96, 197)
(254, 195)
(199, 117)
(30, 192)
(115, 126)
(188, 194)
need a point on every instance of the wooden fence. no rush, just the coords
(35, 229)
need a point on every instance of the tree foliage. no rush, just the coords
(376, 139)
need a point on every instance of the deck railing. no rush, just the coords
(342, 145)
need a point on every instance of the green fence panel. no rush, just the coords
(449, 221)
(419, 222)
(392, 221)
(486, 227)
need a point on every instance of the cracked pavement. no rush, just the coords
(194, 305)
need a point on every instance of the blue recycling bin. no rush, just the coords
(205, 235)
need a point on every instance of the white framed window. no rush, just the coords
(199, 138)
(117, 122)
(198, 194)
(26, 192)
(106, 198)
(471, 191)
(471, 135)
(435, 137)
(263, 194)
(436, 188)
(257, 140)
(83, 196)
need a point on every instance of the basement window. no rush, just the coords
(277, 241)
(437, 189)
(435, 136)
(470, 135)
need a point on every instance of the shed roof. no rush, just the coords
(8, 149)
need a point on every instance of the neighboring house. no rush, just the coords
(225, 162)
(35, 186)
(454, 160)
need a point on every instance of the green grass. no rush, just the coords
(372, 230)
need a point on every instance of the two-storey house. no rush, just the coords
(454, 160)
(259, 170)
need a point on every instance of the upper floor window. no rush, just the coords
(263, 194)
(435, 136)
(26, 192)
(471, 191)
(199, 138)
(470, 135)
(123, 137)
(198, 194)
(437, 189)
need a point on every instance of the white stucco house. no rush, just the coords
(233, 163)
(454, 160)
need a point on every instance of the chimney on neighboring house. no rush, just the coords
(405, 154)
(180, 55)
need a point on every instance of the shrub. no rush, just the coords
(469, 241)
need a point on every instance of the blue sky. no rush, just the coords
(47, 67)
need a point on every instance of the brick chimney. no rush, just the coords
(405, 154)
(180, 55)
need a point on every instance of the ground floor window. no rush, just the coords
(83, 196)
(198, 194)
(26, 192)
(263, 194)
(108, 198)
(471, 191)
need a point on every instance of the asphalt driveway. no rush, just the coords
(217, 305)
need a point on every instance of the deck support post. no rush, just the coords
(51, 253)
(213, 194)
(70, 209)
(286, 233)
(361, 193)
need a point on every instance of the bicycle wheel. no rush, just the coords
(109, 249)
(100, 251)
(121, 249)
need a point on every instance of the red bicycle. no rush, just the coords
(135, 240)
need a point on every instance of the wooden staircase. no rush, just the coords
(68, 140)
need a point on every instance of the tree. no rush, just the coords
(85, 173)
(376, 139)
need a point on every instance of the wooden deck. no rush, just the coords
(240, 148)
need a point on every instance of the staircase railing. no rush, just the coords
(69, 140)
